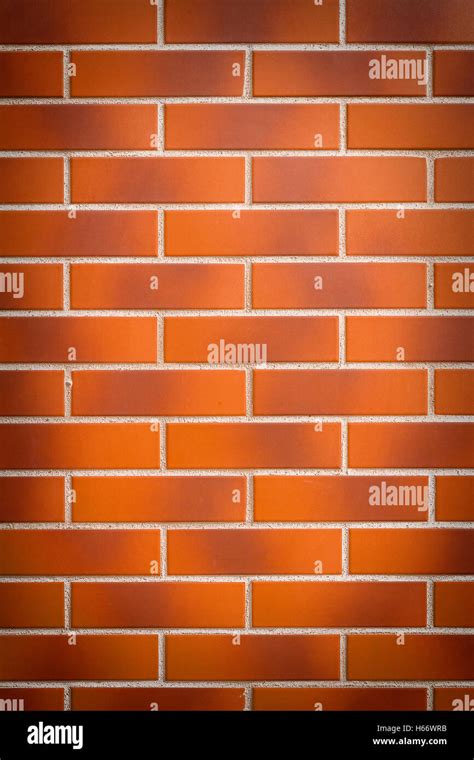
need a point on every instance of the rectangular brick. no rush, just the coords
(353, 699)
(157, 286)
(410, 339)
(157, 73)
(77, 127)
(454, 604)
(454, 498)
(454, 286)
(192, 339)
(158, 392)
(95, 339)
(157, 180)
(31, 180)
(162, 699)
(24, 499)
(79, 552)
(283, 604)
(31, 699)
(118, 657)
(214, 21)
(78, 446)
(454, 391)
(251, 232)
(338, 179)
(31, 286)
(406, 21)
(339, 499)
(158, 605)
(454, 180)
(253, 658)
(452, 72)
(42, 22)
(411, 444)
(340, 392)
(429, 232)
(252, 446)
(253, 552)
(88, 233)
(31, 605)
(26, 74)
(411, 551)
(33, 394)
(461, 698)
(159, 499)
(338, 73)
(250, 126)
(434, 657)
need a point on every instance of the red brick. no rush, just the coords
(454, 180)
(31, 499)
(453, 72)
(162, 699)
(34, 394)
(454, 498)
(31, 180)
(24, 74)
(454, 605)
(31, 605)
(454, 286)
(461, 698)
(454, 391)
(354, 699)
(32, 699)
(40, 287)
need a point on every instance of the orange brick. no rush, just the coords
(31, 180)
(92, 658)
(31, 605)
(335, 498)
(355, 699)
(335, 605)
(77, 127)
(159, 499)
(340, 391)
(158, 605)
(192, 339)
(379, 657)
(454, 498)
(160, 393)
(419, 233)
(411, 444)
(454, 605)
(72, 446)
(255, 658)
(157, 286)
(31, 393)
(153, 73)
(317, 73)
(162, 699)
(342, 285)
(251, 233)
(453, 699)
(253, 552)
(90, 233)
(79, 552)
(453, 72)
(32, 699)
(83, 21)
(406, 21)
(411, 551)
(95, 339)
(213, 21)
(252, 446)
(432, 339)
(454, 391)
(454, 286)
(454, 180)
(338, 179)
(243, 126)
(157, 180)
(31, 75)
(31, 499)
(39, 285)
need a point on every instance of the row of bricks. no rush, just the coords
(174, 393)
(342, 285)
(177, 499)
(241, 232)
(212, 21)
(214, 657)
(207, 339)
(285, 604)
(226, 126)
(220, 73)
(238, 551)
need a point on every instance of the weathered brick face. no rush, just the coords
(236, 274)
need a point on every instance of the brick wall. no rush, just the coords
(183, 532)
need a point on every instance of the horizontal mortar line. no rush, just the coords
(233, 525)
(308, 578)
(241, 259)
(113, 472)
(241, 46)
(303, 684)
(242, 153)
(372, 206)
(231, 368)
(276, 99)
(309, 418)
(233, 630)
(256, 311)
